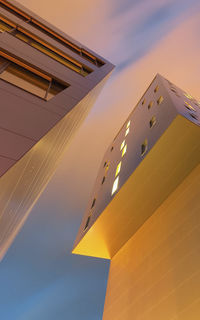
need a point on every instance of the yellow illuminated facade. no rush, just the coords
(148, 224)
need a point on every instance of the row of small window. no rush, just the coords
(36, 24)
(29, 79)
(188, 105)
(159, 101)
(123, 149)
(106, 167)
(43, 47)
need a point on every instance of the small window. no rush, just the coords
(160, 100)
(105, 163)
(189, 107)
(118, 168)
(93, 203)
(111, 149)
(173, 89)
(127, 132)
(124, 150)
(122, 145)
(144, 147)
(156, 89)
(103, 180)
(128, 124)
(107, 167)
(150, 105)
(187, 95)
(115, 185)
(152, 122)
(143, 101)
(87, 222)
(193, 116)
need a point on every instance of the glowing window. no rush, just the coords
(152, 122)
(143, 102)
(150, 105)
(122, 145)
(118, 169)
(144, 147)
(124, 150)
(128, 124)
(156, 89)
(188, 95)
(115, 185)
(127, 132)
(107, 167)
(160, 100)
(188, 106)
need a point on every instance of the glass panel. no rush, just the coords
(4, 26)
(25, 79)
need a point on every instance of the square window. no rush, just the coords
(115, 185)
(160, 100)
(144, 147)
(118, 169)
(122, 145)
(124, 150)
(128, 124)
(127, 132)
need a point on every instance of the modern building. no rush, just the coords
(144, 211)
(48, 83)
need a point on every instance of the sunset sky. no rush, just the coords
(39, 277)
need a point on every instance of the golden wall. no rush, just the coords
(156, 274)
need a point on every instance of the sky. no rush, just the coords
(39, 277)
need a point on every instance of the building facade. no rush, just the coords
(143, 213)
(48, 83)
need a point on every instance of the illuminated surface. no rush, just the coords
(156, 274)
(173, 162)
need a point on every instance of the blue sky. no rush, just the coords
(39, 278)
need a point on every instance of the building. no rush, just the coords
(143, 213)
(48, 83)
